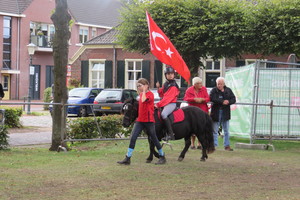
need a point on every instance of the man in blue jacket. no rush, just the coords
(221, 97)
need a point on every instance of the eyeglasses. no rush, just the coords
(139, 85)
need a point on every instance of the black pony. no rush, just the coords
(196, 122)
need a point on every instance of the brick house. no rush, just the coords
(100, 62)
(27, 22)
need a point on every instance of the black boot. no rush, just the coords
(170, 135)
(126, 161)
(162, 160)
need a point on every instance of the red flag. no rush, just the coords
(164, 50)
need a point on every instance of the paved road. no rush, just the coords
(40, 131)
(34, 138)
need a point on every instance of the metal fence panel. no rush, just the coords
(282, 85)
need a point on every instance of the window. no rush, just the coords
(94, 32)
(212, 65)
(51, 34)
(250, 61)
(133, 73)
(97, 74)
(253, 61)
(83, 34)
(213, 69)
(6, 42)
(42, 34)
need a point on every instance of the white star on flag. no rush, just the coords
(169, 52)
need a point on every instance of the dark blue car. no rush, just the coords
(81, 96)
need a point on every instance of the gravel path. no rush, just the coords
(39, 131)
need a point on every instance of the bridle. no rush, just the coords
(129, 107)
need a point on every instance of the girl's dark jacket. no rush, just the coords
(217, 98)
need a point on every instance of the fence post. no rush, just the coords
(271, 123)
(28, 106)
(24, 104)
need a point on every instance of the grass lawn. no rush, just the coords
(90, 171)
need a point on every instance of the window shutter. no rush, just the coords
(108, 74)
(120, 73)
(146, 70)
(85, 73)
(49, 76)
(157, 72)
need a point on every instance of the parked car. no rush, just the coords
(81, 96)
(156, 95)
(112, 100)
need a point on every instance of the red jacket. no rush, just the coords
(191, 94)
(170, 96)
(146, 108)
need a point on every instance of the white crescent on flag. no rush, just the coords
(154, 35)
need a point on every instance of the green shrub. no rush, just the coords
(3, 137)
(47, 97)
(12, 116)
(86, 128)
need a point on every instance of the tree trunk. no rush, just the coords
(61, 38)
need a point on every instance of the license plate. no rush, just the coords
(105, 108)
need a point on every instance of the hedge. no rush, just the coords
(86, 128)
(12, 116)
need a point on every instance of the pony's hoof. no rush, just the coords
(148, 161)
(202, 159)
(180, 159)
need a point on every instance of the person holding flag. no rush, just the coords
(169, 93)
(162, 48)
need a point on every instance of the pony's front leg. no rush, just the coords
(185, 149)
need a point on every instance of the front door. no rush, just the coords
(6, 85)
(35, 82)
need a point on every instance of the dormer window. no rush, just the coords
(83, 34)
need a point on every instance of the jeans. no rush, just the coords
(137, 129)
(225, 127)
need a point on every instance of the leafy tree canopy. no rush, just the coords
(217, 28)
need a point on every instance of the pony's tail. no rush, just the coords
(208, 131)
